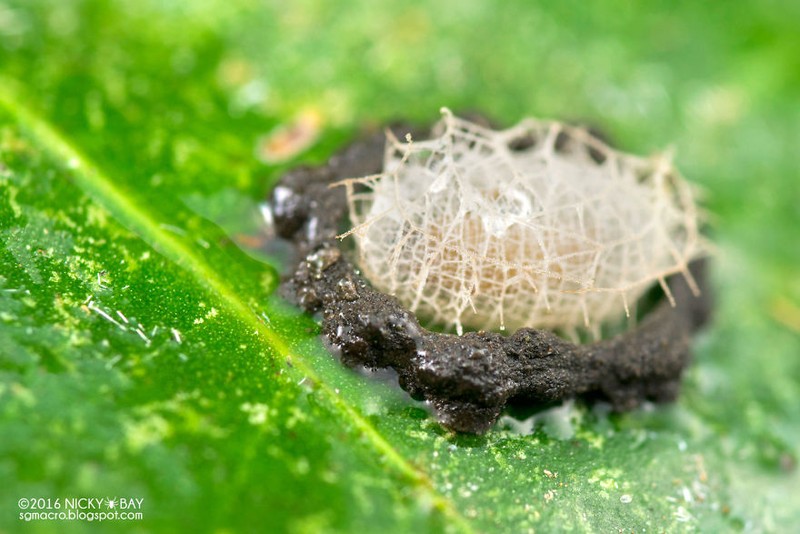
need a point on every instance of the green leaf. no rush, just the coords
(143, 353)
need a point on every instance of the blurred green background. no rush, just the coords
(142, 354)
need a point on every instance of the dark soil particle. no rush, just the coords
(468, 379)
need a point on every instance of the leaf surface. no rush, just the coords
(145, 355)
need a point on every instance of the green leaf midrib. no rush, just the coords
(97, 185)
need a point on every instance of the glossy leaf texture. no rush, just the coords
(143, 352)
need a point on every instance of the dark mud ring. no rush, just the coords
(468, 380)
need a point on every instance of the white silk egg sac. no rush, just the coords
(541, 225)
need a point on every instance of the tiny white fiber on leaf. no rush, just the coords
(541, 225)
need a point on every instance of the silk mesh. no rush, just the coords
(540, 225)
